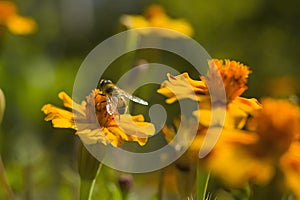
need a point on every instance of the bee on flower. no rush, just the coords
(95, 123)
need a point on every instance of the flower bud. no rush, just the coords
(125, 182)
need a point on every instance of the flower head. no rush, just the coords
(93, 124)
(233, 78)
(155, 16)
(277, 146)
(277, 125)
(15, 23)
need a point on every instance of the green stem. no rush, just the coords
(86, 189)
(160, 185)
(87, 186)
(5, 182)
(202, 182)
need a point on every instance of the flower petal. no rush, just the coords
(69, 103)
(182, 87)
(89, 136)
(60, 118)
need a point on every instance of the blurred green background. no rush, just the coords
(40, 161)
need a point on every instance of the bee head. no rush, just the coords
(102, 83)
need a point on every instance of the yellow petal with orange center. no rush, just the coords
(99, 127)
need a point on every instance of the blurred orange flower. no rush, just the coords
(190, 158)
(155, 16)
(15, 23)
(269, 144)
(277, 147)
(93, 124)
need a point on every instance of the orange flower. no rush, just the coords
(17, 24)
(277, 125)
(277, 129)
(155, 16)
(234, 77)
(93, 124)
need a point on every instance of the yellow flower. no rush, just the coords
(224, 149)
(234, 77)
(93, 124)
(155, 16)
(277, 146)
(17, 24)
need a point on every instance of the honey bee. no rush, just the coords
(116, 99)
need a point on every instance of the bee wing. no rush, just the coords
(133, 98)
(111, 104)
